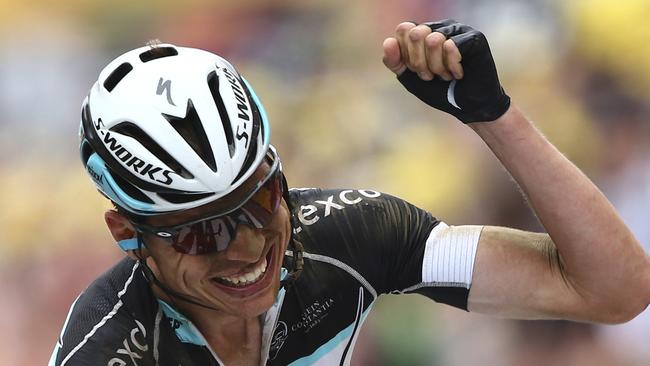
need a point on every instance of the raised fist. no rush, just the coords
(449, 66)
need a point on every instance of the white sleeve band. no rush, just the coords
(449, 255)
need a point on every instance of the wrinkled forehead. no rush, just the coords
(223, 204)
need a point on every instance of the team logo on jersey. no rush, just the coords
(132, 347)
(310, 214)
(313, 315)
(280, 335)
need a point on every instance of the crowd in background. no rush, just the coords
(580, 70)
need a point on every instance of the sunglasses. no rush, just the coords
(214, 233)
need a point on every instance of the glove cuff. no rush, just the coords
(488, 113)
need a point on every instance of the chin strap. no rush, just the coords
(296, 246)
(298, 262)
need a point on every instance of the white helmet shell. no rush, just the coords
(169, 128)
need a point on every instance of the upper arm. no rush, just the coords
(519, 274)
(393, 245)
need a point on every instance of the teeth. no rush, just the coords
(247, 278)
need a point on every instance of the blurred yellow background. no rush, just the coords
(579, 69)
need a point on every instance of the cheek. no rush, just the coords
(281, 225)
(281, 217)
(176, 267)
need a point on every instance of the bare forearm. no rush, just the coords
(601, 258)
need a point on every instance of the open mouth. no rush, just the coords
(245, 279)
(255, 279)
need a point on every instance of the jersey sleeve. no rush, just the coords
(394, 245)
(100, 329)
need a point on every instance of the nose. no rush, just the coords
(247, 245)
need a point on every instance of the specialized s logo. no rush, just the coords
(137, 342)
(166, 85)
(280, 335)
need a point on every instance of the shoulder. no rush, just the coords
(360, 229)
(108, 316)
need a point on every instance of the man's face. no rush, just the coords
(242, 280)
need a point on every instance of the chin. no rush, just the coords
(253, 307)
(259, 306)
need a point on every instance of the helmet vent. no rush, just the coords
(135, 132)
(117, 75)
(250, 154)
(213, 84)
(130, 189)
(157, 52)
(191, 129)
(184, 197)
(86, 151)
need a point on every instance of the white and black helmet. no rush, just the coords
(169, 128)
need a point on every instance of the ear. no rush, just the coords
(124, 233)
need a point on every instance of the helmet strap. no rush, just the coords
(296, 246)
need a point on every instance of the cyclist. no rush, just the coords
(226, 265)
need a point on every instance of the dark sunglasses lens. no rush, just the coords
(215, 234)
(260, 208)
(205, 236)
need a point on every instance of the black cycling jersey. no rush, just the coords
(358, 244)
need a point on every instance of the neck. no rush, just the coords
(237, 341)
(222, 329)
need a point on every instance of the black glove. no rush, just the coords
(478, 96)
